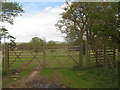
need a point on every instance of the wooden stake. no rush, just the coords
(87, 55)
(81, 55)
(6, 57)
(44, 55)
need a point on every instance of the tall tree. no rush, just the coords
(97, 19)
(9, 11)
(95, 22)
(37, 42)
(103, 21)
(73, 23)
(3, 33)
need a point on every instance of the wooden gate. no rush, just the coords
(45, 56)
(56, 57)
(103, 56)
(61, 56)
(15, 58)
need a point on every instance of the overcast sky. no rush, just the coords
(38, 20)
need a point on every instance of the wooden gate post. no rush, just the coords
(6, 57)
(81, 55)
(87, 55)
(114, 57)
(1, 60)
(104, 56)
(44, 56)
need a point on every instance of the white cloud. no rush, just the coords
(41, 24)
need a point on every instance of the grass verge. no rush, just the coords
(89, 78)
(10, 79)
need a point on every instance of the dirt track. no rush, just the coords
(34, 80)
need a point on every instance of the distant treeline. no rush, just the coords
(38, 43)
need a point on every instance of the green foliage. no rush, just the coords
(51, 43)
(37, 42)
(34, 44)
(89, 20)
(97, 29)
(5, 35)
(9, 11)
(94, 15)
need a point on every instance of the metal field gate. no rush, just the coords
(44, 56)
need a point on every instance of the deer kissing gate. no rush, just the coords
(45, 56)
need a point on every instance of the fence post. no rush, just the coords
(81, 55)
(44, 55)
(114, 57)
(6, 58)
(87, 55)
(1, 57)
(104, 56)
